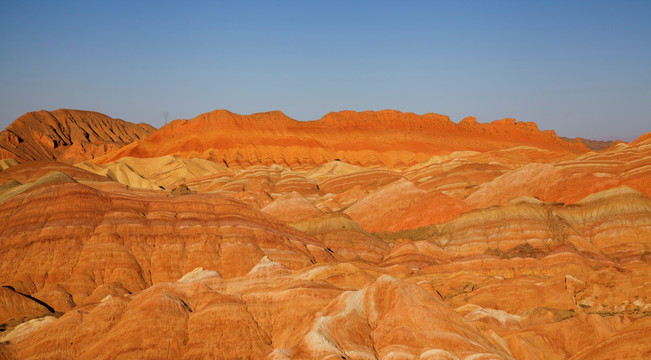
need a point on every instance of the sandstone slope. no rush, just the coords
(63, 237)
(571, 180)
(110, 257)
(383, 138)
(375, 235)
(67, 135)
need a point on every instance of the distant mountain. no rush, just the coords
(595, 145)
(68, 135)
(371, 138)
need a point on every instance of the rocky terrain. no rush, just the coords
(373, 235)
(67, 135)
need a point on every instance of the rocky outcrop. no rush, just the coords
(291, 208)
(383, 138)
(375, 235)
(571, 180)
(344, 237)
(67, 135)
(594, 145)
(64, 238)
(158, 173)
(401, 205)
(629, 342)
(390, 319)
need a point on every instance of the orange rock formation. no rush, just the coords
(67, 135)
(374, 235)
(384, 138)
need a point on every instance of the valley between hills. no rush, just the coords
(361, 235)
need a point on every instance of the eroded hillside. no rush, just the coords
(359, 236)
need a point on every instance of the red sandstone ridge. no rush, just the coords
(382, 138)
(569, 181)
(414, 238)
(73, 135)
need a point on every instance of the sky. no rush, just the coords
(581, 68)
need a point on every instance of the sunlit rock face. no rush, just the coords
(373, 235)
(64, 237)
(383, 138)
(67, 135)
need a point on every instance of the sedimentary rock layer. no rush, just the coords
(376, 235)
(67, 135)
(383, 138)
(62, 238)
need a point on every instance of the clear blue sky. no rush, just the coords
(580, 68)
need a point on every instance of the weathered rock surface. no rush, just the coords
(571, 180)
(63, 238)
(628, 343)
(67, 135)
(402, 205)
(291, 208)
(595, 145)
(375, 235)
(383, 138)
(14, 304)
(344, 237)
(154, 174)
(390, 319)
